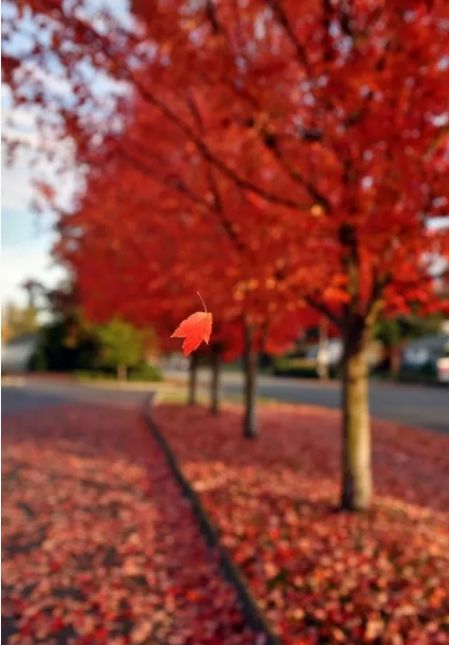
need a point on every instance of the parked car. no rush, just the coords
(427, 359)
(443, 368)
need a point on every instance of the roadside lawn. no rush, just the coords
(323, 576)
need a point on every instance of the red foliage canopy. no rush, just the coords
(326, 129)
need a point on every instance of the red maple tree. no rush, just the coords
(327, 129)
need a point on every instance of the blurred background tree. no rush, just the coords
(17, 320)
(394, 333)
(69, 342)
(121, 347)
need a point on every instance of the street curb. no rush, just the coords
(211, 535)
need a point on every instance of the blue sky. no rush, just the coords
(26, 237)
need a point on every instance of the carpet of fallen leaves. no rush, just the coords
(99, 546)
(323, 576)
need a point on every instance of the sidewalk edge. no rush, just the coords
(211, 535)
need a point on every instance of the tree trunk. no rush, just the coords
(215, 380)
(394, 360)
(323, 351)
(250, 429)
(357, 477)
(122, 373)
(192, 380)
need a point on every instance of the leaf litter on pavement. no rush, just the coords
(99, 545)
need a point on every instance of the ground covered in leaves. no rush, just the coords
(99, 546)
(322, 576)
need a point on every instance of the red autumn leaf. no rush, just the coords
(195, 329)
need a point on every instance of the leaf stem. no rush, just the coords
(202, 301)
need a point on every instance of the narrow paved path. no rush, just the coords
(99, 545)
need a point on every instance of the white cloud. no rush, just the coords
(17, 180)
(27, 239)
(17, 190)
(21, 263)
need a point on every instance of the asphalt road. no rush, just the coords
(420, 406)
(415, 405)
(21, 394)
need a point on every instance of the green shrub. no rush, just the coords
(145, 372)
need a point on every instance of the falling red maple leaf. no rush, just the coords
(195, 329)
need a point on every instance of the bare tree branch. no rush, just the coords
(218, 208)
(283, 20)
(324, 309)
(207, 154)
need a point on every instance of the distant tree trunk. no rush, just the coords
(122, 372)
(357, 477)
(394, 360)
(323, 351)
(215, 379)
(193, 365)
(250, 429)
